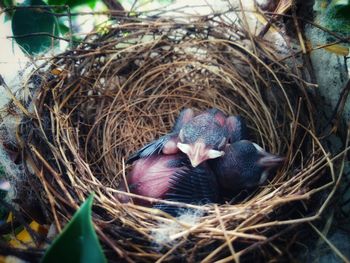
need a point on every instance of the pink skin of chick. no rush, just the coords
(150, 177)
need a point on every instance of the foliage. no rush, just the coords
(73, 3)
(6, 4)
(34, 28)
(335, 15)
(78, 241)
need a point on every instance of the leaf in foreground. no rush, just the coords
(78, 241)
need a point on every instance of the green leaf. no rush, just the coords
(340, 2)
(9, 13)
(342, 12)
(73, 3)
(27, 21)
(340, 8)
(78, 241)
(8, 3)
(7, 17)
(57, 2)
(63, 28)
(92, 3)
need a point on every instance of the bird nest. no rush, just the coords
(121, 88)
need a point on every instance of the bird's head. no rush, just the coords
(254, 161)
(202, 139)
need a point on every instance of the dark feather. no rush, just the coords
(196, 185)
(154, 147)
(192, 186)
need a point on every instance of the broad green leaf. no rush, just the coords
(26, 21)
(78, 241)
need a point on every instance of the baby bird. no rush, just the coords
(171, 177)
(245, 165)
(201, 160)
(200, 137)
(166, 144)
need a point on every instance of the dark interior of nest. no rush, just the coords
(97, 105)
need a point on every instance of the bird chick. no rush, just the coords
(205, 136)
(245, 165)
(166, 144)
(200, 137)
(171, 177)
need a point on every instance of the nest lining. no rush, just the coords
(97, 104)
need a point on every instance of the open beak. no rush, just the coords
(197, 158)
(196, 162)
(198, 153)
